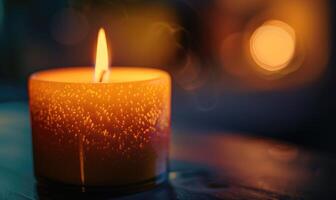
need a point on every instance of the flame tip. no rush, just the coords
(101, 30)
(102, 61)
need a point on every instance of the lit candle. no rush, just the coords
(92, 127)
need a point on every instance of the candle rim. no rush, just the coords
(159, 75)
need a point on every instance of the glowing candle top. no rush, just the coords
(101, 72)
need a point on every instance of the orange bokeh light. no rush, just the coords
(272, 45)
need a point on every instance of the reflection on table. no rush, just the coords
(203, 166)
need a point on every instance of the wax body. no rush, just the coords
(100, 134)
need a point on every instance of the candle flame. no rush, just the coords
(102, 59)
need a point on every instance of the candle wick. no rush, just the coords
(102, 74)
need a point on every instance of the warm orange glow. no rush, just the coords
(272, 45)
(112, 133)
(102, 60)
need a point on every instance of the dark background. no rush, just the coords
(36, 35)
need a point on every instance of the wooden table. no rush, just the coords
(204, 165)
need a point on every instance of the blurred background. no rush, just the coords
(255, 67)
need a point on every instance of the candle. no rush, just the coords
(95, 127)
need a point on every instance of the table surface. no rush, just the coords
(203, 166)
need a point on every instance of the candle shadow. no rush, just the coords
(56, 192)
(164, 191)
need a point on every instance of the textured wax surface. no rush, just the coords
(100, 134)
